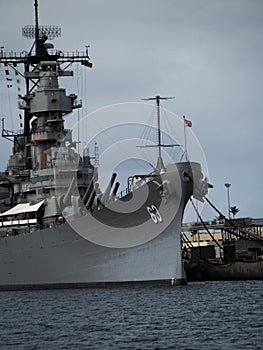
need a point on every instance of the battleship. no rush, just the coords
(57, 228)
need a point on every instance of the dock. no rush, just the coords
(223, 249)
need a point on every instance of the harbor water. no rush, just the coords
(205, 315)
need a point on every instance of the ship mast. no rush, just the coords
(42, 62)
(36, 28)
(160, 163)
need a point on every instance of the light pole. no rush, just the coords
(228, 198)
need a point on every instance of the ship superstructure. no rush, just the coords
(30, 175)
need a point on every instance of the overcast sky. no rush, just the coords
(208, 54)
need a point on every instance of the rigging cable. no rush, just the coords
(247, 234)
(205, 226)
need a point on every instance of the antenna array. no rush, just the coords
(51, 31)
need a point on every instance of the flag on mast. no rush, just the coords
(188, 122)
(87, 64)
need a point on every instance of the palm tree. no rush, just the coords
(234, 210)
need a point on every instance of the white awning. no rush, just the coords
(23, 208)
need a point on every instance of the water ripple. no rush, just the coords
(210, 315)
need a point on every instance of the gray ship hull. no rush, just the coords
(60, 257)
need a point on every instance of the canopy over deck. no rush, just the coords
(23, 208)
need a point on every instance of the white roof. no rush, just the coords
(23, 208)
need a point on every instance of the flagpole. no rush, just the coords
(185, 142)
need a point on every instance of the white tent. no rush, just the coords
(23, 208)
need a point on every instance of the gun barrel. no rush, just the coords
(91, 199)
(88, 192)
(106, 195)
(67, 197)
(115, 190)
